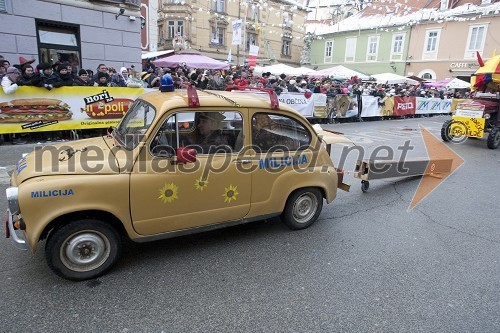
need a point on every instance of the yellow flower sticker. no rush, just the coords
(201, 184)
(230, 193)
(168, 193)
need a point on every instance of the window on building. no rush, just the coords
(372, 51)
(174, 1)
(427, 76)
(475, 41)
(171, 29)
(58, 42)
(217, 35)
(286, 47)
(180, 28)
(350, 49)
(219, 6)
(287, 20)
(251, 40)
(175, 28)
(253, 12)
(431, 41)
(3, 6)
(397, 46)
(329, 49)
(431, 44)
(160, 33)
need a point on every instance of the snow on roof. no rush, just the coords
(361, 21)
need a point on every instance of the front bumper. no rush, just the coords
(19, 241)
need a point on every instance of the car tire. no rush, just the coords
(494, 138)
(445, 131)
(83, 249)
(302, 208)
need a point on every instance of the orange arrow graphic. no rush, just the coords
(437, 151)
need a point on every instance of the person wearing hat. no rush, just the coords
(103, 80)
(209, 137)
(28, 76)
(47, 77)
(83, 79)
(9, 81)
(63, 77)
(23, 61)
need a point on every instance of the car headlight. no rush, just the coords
(487, 116)
(12, 199)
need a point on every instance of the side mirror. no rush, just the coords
(186, 155)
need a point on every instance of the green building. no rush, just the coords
(371, 51)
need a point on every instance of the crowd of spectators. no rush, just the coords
(63, 74)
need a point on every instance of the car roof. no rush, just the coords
(165, 101)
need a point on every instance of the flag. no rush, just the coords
(229, 57)
(237, 32)
(252, 55)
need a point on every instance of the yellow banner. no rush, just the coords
(470, 127)
(33, 109)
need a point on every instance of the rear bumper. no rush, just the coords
(12, 233)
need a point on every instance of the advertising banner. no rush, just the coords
(370, 107)
(432, 105)
(236, 25)
(387, 109)
(404, 106)
(252, 55)
(33, 109)
(301, 104)
(320, 110)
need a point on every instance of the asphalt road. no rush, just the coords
(367, 264)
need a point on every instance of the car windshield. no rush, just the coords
(135, 124)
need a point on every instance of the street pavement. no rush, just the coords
(367, 265)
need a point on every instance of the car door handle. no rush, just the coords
(242, 161)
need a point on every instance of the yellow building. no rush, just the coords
(276, 27)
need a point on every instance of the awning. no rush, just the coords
(150, 55)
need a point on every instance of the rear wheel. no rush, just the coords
(494, 138)
(302, 208)
(83, 249)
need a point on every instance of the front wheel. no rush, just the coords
(83, 249)
(302, 208)
(445, 131)
(494, 138)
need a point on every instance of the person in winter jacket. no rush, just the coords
(63, 78)
(47, 77)
(9, 81)
(120, 79)
(83, 79)
(103, 80)
(134, 81)
(28, 76)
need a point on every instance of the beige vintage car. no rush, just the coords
(179, 162)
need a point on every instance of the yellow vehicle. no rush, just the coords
(179, 162)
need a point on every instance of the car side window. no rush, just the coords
(208, 132)
(218, 132)
(276, 132)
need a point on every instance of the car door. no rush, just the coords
(166, 196)
(281, 145)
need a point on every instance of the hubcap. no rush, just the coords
(305, 207)
(85, 250)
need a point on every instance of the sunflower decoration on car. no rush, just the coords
(230, 193)
(168, 193)
(201, 184)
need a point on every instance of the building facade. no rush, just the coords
(369, 51)
(276, 27)
(434, 42)
(84, 33)
(448, 49)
